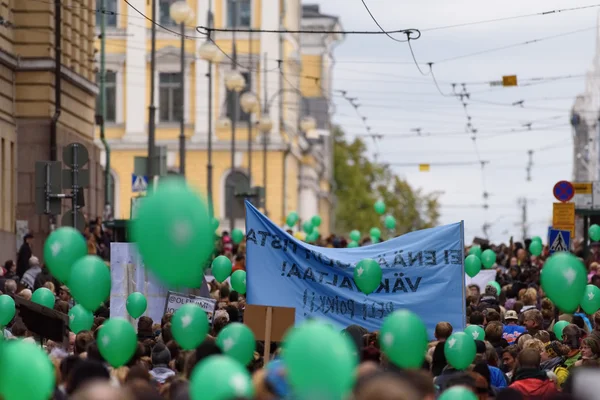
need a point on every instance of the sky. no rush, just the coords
(397, 99)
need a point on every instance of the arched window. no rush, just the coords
(236, 182)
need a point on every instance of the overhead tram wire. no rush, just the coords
(161, 26)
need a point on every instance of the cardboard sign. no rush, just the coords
(269, 323)
(175, 300)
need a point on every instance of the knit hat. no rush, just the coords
(160, 355)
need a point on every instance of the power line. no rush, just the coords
(321, 32)
(161, 26)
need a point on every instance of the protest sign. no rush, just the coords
(175, 300)
(423, 271)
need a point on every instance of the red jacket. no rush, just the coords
(533, 384)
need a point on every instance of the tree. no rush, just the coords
(359, 183)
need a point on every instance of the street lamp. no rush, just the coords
(209, 52)
(249, 103)
(223, 123)
(265, 124)
(307, 123)
(181, 13)
(235, 81)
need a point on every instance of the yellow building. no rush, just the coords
(299, 163)
(38, 117)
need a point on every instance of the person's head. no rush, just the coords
(10, 266)
(511, 317)
(493, 316)
(385, 386)
(534, 344)
(476, 318)
(26, 294)
(166, 319)
(530, 297)
(224, 291)
(84, 372)
(529, 358)
(509, 357)
(160, 355)
(64, 293)
(493, 331)
(522, 339)
(533, 320)
(474, 291)
(167, 333)
(10, 287)
(206, 349)
(138, 371)
(544, 336)
(61, 306)
(28, 238)
(443, 330)
(82, 341)
(571, 336)
(554, 349)
(513, 263)
(590, 348)
(145, 326)
(234, 314)
(34, 262)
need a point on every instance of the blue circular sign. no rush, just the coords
(563, 191)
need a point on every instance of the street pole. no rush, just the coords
(209, 166)
(152, 107)
(107, 194)
(234, 112)
(182, 122)
(265, 134)
(250, 113)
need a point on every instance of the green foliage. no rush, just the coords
(359, 183)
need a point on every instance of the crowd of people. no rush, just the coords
(520, 357)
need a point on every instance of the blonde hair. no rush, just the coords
(49, 285)
(530, 297)
(120, 374)
(535, 344)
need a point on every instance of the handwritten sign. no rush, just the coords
(422, 271)
(176, 300)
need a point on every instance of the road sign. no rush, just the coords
(75, 153)
(139, 183)
(563, 217)
(563, 191)
(583, 198)
(509, 80)
(559, 240)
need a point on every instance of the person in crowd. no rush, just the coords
(511, 330)
(161, 357)
(26, 294)
(590, 352)
(43, 277)
(529, 379)
(554, 355)
(497, 378)
(443, 330)
(489, 299)
(10, 287)
(29, 276)
(477, 318)
(509, 358)
(239, 263)
(144, 330)
(24, 254)
(493, 334)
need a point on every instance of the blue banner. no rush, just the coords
(423, 271)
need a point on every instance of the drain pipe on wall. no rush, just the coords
(57, 79)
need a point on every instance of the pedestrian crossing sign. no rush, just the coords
(559, 241)
(139, 183)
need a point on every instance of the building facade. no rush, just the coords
(272, 65)
(43, 107)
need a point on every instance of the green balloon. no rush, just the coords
(221, 268)
(379, 207)
(590, 302)
(220, 378)
(476, 332)
(390, 222)
(292, 219)
(558, 329)
(214, 223)
(237, 341)
(403, 339)
(460, 350)
(173, 234)
(189, 326)
(564, 279)
(496, 286)
(367, 275)
(375, 233)
(355, 235)
(457, 393)
(80, 319)
(488, 258)
(307, 227)
(319, 369)
(26, 371)
(7, 309)
(472, 265)
(90, 282)
(62, 249)
(536, 239)
(136, 304)
(238, 281)
(594, 232)
(316, 221)
(476, 251)
(535, 248)
(375, 240)
(313, 236)
(237, 236)
(117, 341)
(44, 297)
(352, 245)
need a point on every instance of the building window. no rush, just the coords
(236, 182)
(171, 105)
(111, 14)
(232, 103)
(110, 85)
(164, 7)
(240, 18)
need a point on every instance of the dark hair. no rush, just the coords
(82, 341)
(85, 371)
(234, 314)
(166, 319)
(529, 358)
(8, 264)
(138, 372)
(224, 292)
(93, 352)
(66, 366)
(234, 296)
(206, 349)
(476, 318)
(166, 332)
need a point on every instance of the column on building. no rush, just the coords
(135, 67)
